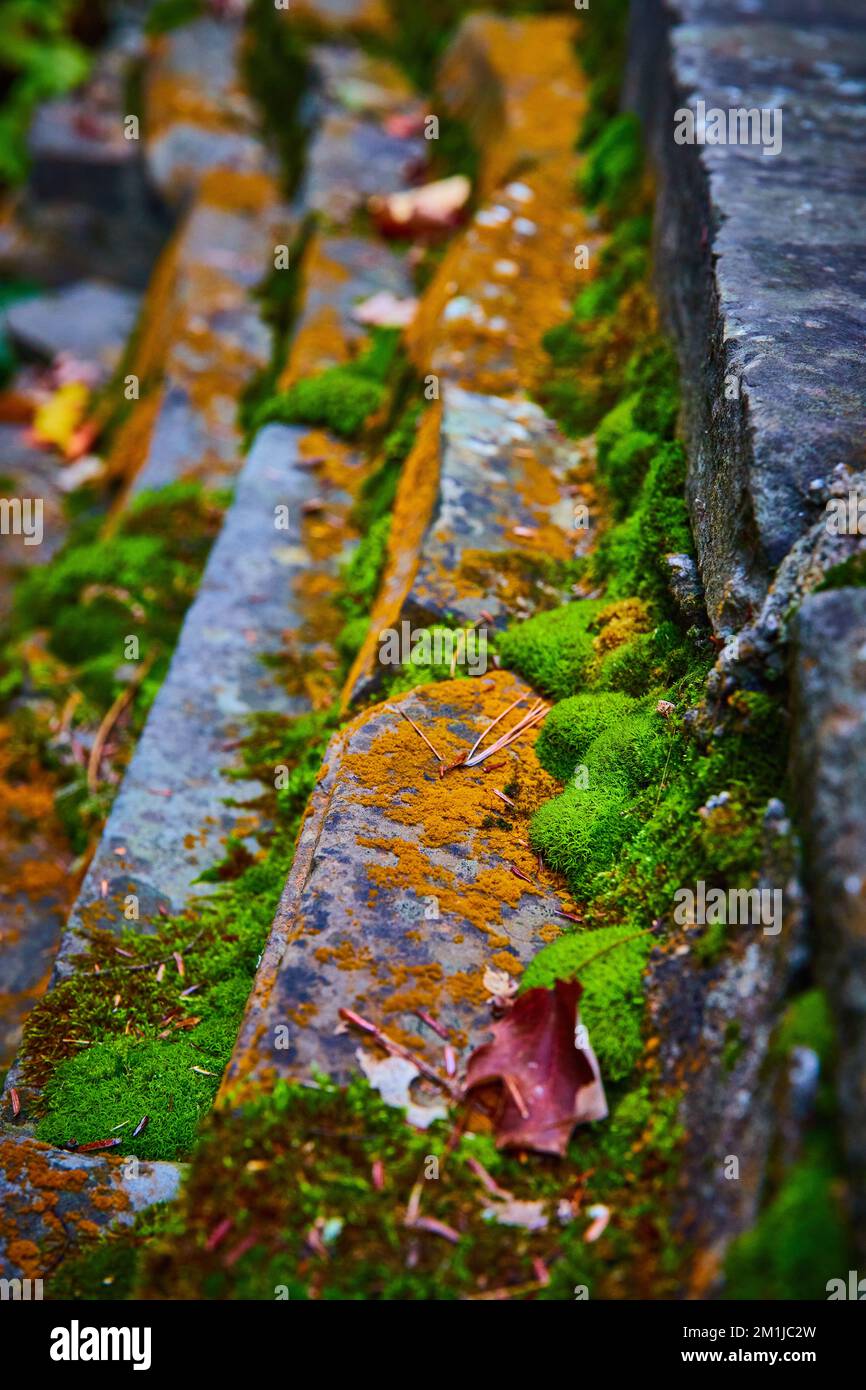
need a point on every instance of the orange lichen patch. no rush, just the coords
(249, 191)
(511, 275)
(319, 339)
(519, 85)
(175, 98)
(405, 884)
(413, 508)
(620, 623)
(507, 279)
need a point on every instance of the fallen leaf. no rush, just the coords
(392, 1077)
(59, 418)
(432, 207)
(404, 126)
(546, 1084)
(386, 310)
(499, 982)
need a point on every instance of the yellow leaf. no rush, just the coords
(56, 421)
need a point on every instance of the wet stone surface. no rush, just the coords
(403, 888)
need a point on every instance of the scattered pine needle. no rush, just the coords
(419, 732)
(110, 719)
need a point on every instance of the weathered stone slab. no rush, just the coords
(198, 118)
(484, 508)
(511, 275)
(760, 262)
(350, 155)
(404, 888)
(518, 84)
(91, 320)
(829, 678)
(203, 337)
(170, 815)
(52, 1201)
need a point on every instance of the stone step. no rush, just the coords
(350, 155)
(203, 337)
(89, 319)
(483, 508)
(404, 888)
(197, 115)
(86, 209)
(760, 265)
(53, 1200)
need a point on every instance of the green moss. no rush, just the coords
(319, 1147)
(144, 1039)
(572, 725)
(341, 398)
(800, 1241)
(614, 162)
(581, 832)
(612, 1003)
(807, 1022)
(553, 650)
(850, 574)
(631, 555)
(165, 15)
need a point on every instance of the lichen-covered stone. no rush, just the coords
(202, 337)
(53, 1202)
(511, 275)
(339, 273)
(198, 118)
(829, 676)
(405, 887)
(760, 264)
(484, 512)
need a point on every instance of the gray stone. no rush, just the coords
(760, 264)
(217, 678)
(829, 683)
(91, 320)
(502, 502)
(54, 1201)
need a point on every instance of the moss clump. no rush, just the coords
(341, 398)
(614, 162)
(631, 555)
(581, 832)
(807, 1022)
(609, 963)
(166, 15)
(573, 725)
(302, 1159)
(554, 650)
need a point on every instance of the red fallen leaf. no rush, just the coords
(548, 1085)
(433, 207)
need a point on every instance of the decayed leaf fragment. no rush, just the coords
(433, 207)
(547, 1084)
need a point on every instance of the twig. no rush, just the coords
(398, 1050)
(110, 719)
